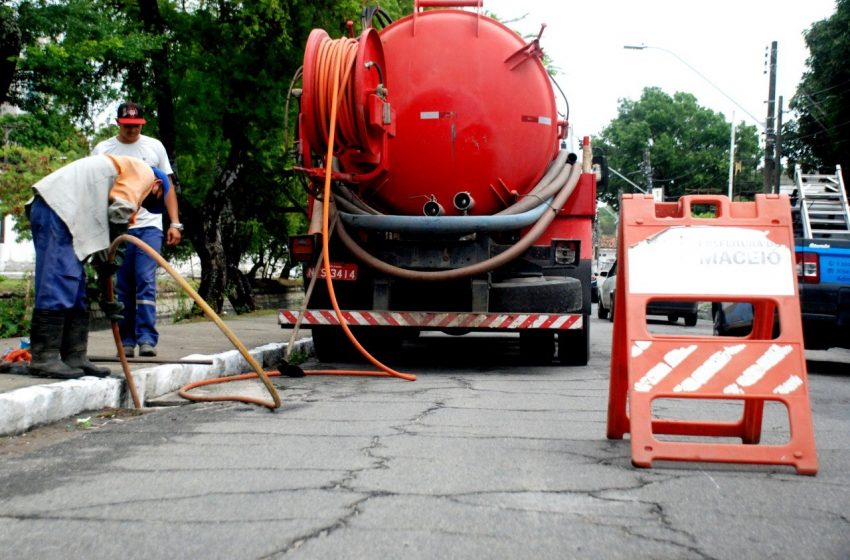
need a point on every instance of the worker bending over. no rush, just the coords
(75, 213)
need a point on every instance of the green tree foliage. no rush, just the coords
(820, 137)
(33, 146)
(76, 54)
(22, 167)
(214, 76)
(685, 145)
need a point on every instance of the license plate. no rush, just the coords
(339, 271)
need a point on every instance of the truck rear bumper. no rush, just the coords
(826, 301)
(826, 315)
(436, 321)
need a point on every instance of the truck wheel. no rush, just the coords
(537, 347)
(611, 311)
(331, 345)
(691, 320)
(540, 294)
(574, 345)
(385, 343)
(601, 312)
(672, 318)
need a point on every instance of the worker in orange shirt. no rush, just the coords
(75, 213)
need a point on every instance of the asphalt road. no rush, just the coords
(481, 457)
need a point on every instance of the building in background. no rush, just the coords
(16, 257)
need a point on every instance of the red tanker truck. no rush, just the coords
(440, 189)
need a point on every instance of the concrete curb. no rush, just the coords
(25, 408)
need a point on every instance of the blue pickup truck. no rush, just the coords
(823, 272)
(821, 218)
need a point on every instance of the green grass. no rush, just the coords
(13, 285)
(14, 306)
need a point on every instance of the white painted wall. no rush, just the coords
(15, 256)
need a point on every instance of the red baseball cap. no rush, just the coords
(131, 113)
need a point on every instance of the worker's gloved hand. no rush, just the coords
(103, 267)
(114, 231)
(113, 309)
(117, 229)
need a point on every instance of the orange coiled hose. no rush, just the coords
(338, 86)
(334, 64)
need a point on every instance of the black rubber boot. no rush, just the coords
(45, 341)
(75, 343)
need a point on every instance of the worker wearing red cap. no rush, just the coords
(136, 280)
(75, 213)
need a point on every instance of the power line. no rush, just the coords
(818, 92)
(829, 130)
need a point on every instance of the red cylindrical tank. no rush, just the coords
(472, 115)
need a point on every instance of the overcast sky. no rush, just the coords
(724, 40)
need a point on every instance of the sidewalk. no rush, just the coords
(27, 401)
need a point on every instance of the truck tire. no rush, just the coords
(540, 294)
(691, 319)
(537, 347)
(331, 345)
(384, 343)
(574, 345)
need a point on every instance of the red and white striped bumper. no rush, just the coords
(427, 320)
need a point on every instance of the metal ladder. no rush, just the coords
(823, 205)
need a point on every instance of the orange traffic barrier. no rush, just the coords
(745, 253)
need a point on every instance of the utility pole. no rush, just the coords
(778, 146)
(647, 166)
(770, 132)
(732, 157)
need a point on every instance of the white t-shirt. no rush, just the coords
(151, 151)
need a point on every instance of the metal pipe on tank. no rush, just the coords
(463, 201)
(433, 208)
(521, 214)
(443, 224)
(478, 268)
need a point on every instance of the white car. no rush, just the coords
(689, 310)
(605, 309)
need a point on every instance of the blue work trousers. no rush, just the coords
(60, 279)
(136, 288)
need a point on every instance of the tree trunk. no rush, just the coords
(152, 20)
(240, 293)
(208, 233)
(10, 48)
(220, 274)
(213, 267)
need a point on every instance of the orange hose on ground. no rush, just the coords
(209, 313)
(184, 391)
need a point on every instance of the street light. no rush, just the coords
(642, 47)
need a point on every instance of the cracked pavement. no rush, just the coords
(482, 458)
